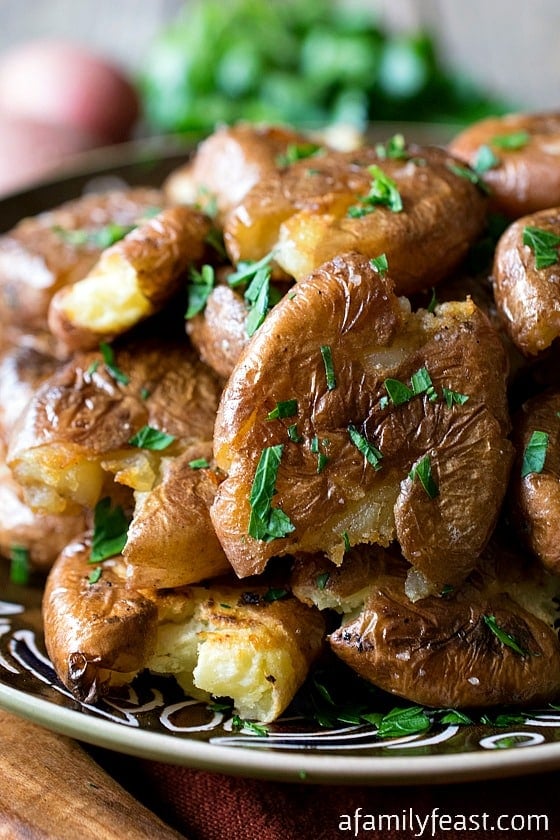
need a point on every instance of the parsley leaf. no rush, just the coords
(199, 464)
(101, 238)
(110, 530)
(403, 721)
(513, 141)
(19, 565)
(422, 471)
(255, 728)
(322, 580)
(326, 353)
(469, 174)
(504, 637)
(297, 151)
(149, 438)
(95, 575)
(267, 523)
(200, 286)
(383, 191)
(534, 455)
(453, 397)
(372, 455)
(109, 359)
(284, 408)
(544, 245)
(380, 264)
(394, 148)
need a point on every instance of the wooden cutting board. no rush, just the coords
(50, 789)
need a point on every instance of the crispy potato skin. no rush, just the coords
(22, 370)
(440, 651)
(535, 498)
(219, 333)
(302, 217)
(528, 299)
(157, 253)
(168, 389)
(228, 163)
(526, 179)
(171, 541)
(36, 259)
(95, 631)
(349, 307)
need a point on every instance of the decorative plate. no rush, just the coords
(154, 720)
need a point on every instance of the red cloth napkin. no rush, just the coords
(211, 806)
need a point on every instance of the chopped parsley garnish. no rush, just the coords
(215, 239)
(382, 192)
(453, 397)
(469, 174)
(534, 455)
(326, 353)
(285, 408)
(110, 530)
(275, 594)
(394, 148)
(513, 141)
(101, 238)
(399, 721)
(109, 360)
(433, 301)
(544, 245)
(267, 523)
(372, 455)
(485, 159)
(259, 294)
(420, 383)
(144, 393)
(346, 540)
(504, 637)
(95, 575)
(423, 472)
(246, 270)
(297, 151)
(255, 728)
(92, 368)
(293, 433)
(149, 438)
(380, 264)
(322, 580)
(199, 464)
(322, 461)
(200, 286)
(19, 565)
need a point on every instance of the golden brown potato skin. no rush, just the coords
(36, 259)
(171, 541)
(94, 630)
(219, 332)
(536, 496)
(440, 651)
(349, 307)
(158, 252)
(228, 163)
(300, 213)
(526, 179)
(22, 370)
(528, 299)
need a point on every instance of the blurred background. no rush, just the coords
(193, 64)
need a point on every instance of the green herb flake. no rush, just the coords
(92, 368)
(199, 464)
(19, 565)
(109, 360)
(144, 393)
(453, 397)
(199, 289)
(95, 575)
(544, 245)
(408, 721)
(346, 540)
(275, 594)
(455, 718)
(513, 141)
(106, 236)
(469, 175)
(265, 522)
(293, 433)
(322, 580)
(297, 151)
(215, 239)
(398, 392)
(383, 190)
(421, 383)
(285, 408)
(110, 529)
(433, 301)
(254, 728)
(149, 438)
(394, 148)
(423, 472)
(380, 264)
(326, 353)
(504, 637)
(534, 455)
(485, 159)
(372, 455)
(322, 461)
(246, 270)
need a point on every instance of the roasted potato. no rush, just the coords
(133, 279)
(421, 209)
(341, 464)
(518, 156)
(535, 482)
(224, 640)
(22, 370)
(492, 642)
(171, 540)
(58, 247)
(219, 333)
(228, 163)
(78, 427)
(526, 281)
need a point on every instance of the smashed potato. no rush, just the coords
(420, 208)
(341, 458)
